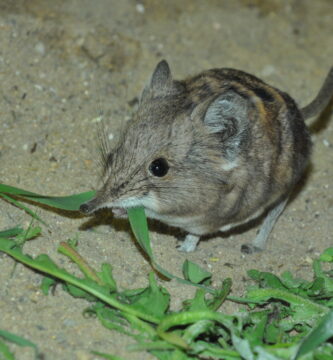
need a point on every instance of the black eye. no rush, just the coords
(159, 167)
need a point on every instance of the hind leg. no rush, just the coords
(259, 242)
(190, 243)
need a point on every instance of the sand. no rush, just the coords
(65, 65)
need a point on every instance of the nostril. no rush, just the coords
(84, 208)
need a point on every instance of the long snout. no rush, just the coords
(85, 208)
(90, 206)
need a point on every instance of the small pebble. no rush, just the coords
(97, 119)
(40, 48)
(69, 322)
(326, 143)
(140, 8)
(38, 87)
(268, 70)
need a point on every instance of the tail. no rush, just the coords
(322, 99)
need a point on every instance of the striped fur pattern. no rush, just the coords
(234, 148)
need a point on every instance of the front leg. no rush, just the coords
(190, 243)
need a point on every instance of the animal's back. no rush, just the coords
(275, 144)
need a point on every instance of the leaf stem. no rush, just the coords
(45, 265)
(83, 265)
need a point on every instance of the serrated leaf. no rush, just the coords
(44, 264)
(153, 300)
(220, 295)
(111, 319)
(266, 279)
(78, 293)
(290, 282)
(107, 278)
(255, 334)
(197, 303)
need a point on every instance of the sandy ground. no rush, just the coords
(65, 63)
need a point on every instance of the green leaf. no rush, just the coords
(190, 317)
(220, 295)
(198, 328)
(78, 292)
(71, 203)
(136, 216)
(289, 307)
(153, 300)
(18, 340)
(138, 221)
(317, 336)
(20, 237)
(255, 334)
(107, 278)
(15, 202)
(303, 309)
(195, 273)
(30, 233)
(327, 255)
(111, 319)
(44, 264)
(5, 353)
(243, 347)
(212, 351)
(47, 283)
(273, 333)
(198, 303)
(263, 354)
(152, 345)
(292, 283)
(107, 356)
(11, 232)
(266, 279)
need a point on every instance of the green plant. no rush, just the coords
(281, 317)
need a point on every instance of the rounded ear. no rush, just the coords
(226, 116)
(228, 109)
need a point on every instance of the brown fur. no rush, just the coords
(235, 147)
